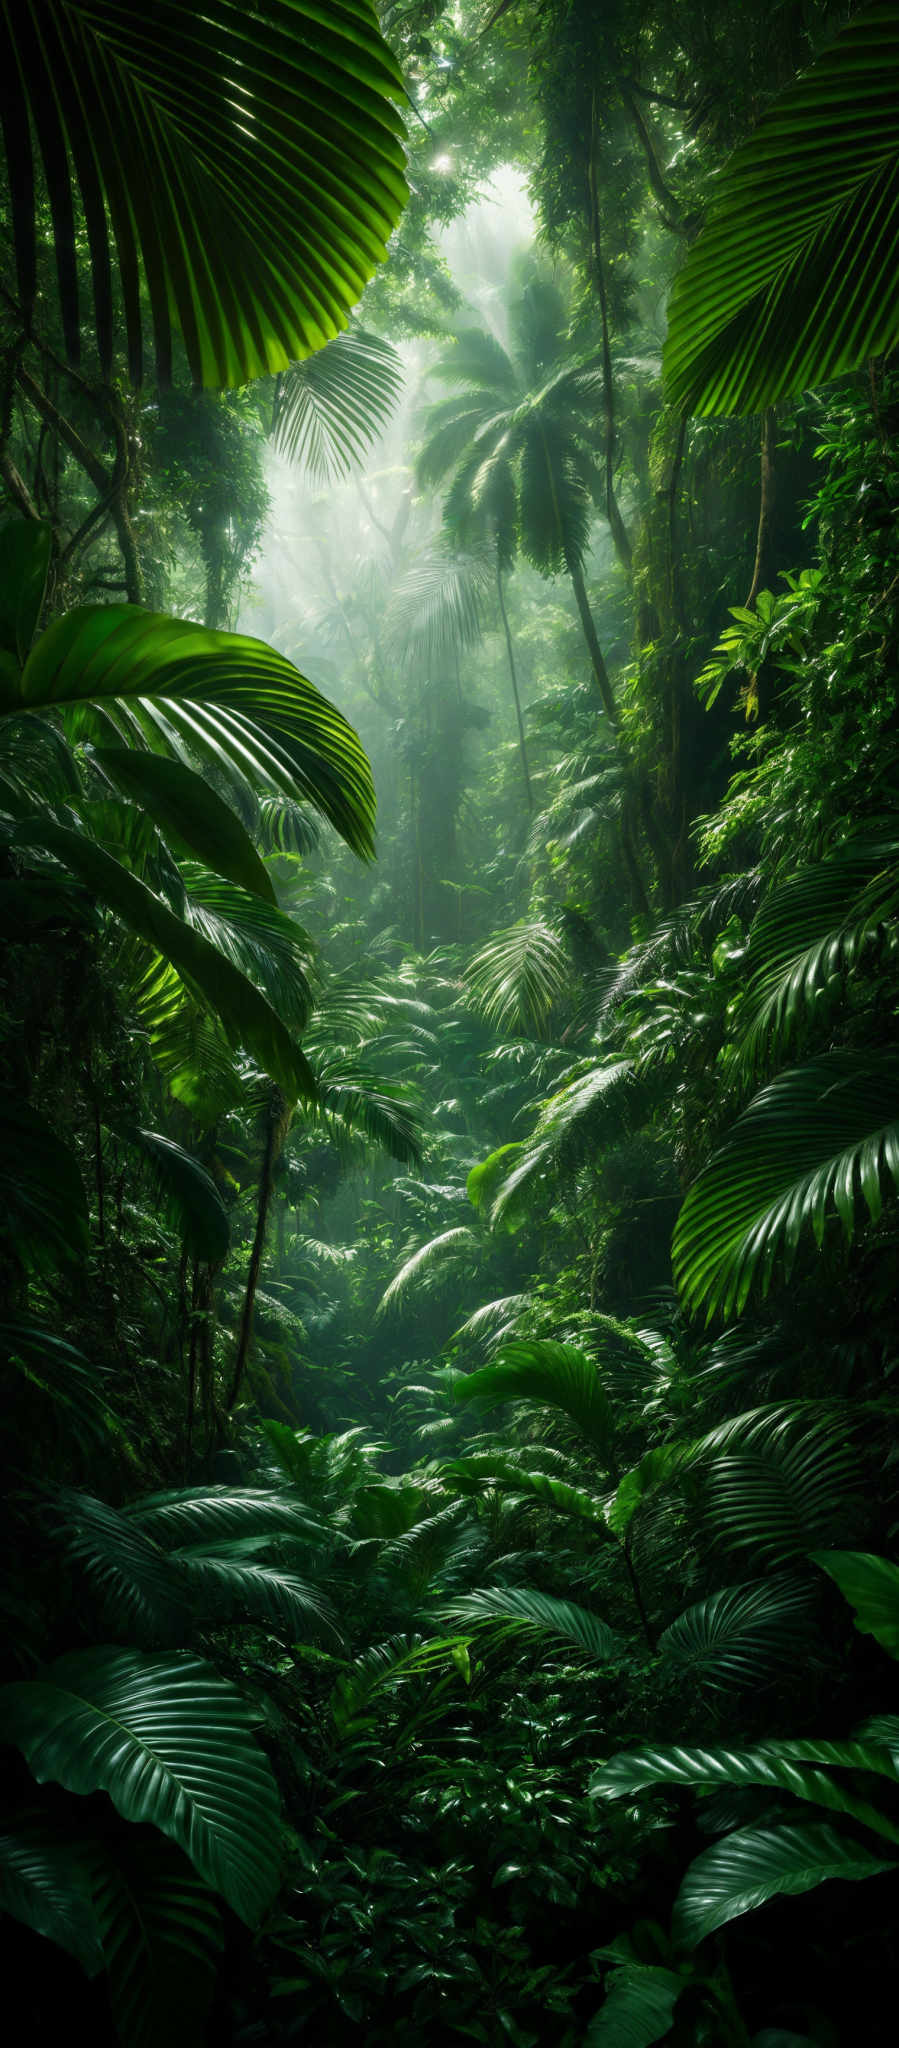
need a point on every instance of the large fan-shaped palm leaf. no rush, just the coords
(793, 278)
(243, 170)
(170, 1741)
(739, 1635)
(811, 1145)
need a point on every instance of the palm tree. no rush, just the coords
(515, 442)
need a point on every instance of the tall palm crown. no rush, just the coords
(515, 440)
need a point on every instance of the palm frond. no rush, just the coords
(812, 1144)
(182, 689)
(449, 1245)
(517, 978)
(514, 1610)
(550, 1375)
(188, 1192)
(738, 1636)
(332, 408)
(792, 279)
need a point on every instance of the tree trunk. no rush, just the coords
(278, 1125)
(617, 527)
(513, 673)
(600, 671)
(766, 501)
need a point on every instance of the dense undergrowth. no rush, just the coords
(449, 1298)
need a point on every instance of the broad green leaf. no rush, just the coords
(238, 173)
(871, 1585)
(247, 1017)
(755, 1864)
(638, 2008)
(169, 1740)
(141, 677)
(185, 806)
(792, 279)
(655, 1469)
(794, 1766)
(190, 1193)
(490, 1469)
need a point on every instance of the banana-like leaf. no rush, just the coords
(239, 172)
(810, 1145)
(44, 1203)
(169, 1740)
(162, 1936)
(142, 678)
(739, 1635)
(203, 1514)
(45, 1884)
(550, 1374)
(793, 277)
(331, 408)
(247, 1017)
(185, 807)
(516, 1610)
(755, 1864)
(638, 2008)
(871, 1585)
(801, 1767)
(189, 1192)
(515, 979)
